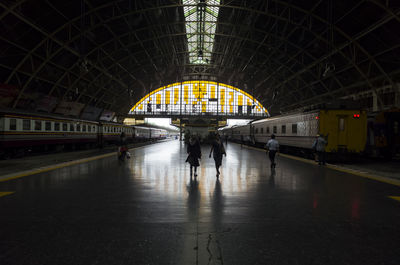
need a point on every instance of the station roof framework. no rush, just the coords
(109, 54)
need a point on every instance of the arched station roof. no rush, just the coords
(108, 54)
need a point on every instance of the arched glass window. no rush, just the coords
(199, 98)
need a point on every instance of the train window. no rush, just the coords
(48, 125)
(78, 127)
(71, 127)
(275, 129)
(283, 128)
(262, 130)
(84, 128)
(89, 128)
(65, 127)
(267, 129)
(26, 125)
(57, 126)
(294, 128)
(256, 130)
(38, 125)
(341, 124)
(13, 124)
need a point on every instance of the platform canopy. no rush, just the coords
(93, 56)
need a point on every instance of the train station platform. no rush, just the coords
(148, 210)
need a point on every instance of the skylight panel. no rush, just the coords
(200, 18)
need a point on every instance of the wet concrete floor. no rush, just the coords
(149, 211)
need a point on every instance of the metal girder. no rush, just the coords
(293, 79)
(49, 36)
(67, 71)
(37, 77)
(358, 36)
(357, 84)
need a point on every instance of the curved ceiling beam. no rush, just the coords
(294, 7)
(358, 36)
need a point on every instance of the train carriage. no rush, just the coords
(20, 133)
(345, 130)
(110, 132)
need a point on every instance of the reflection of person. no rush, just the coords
(194, 151)
(271, 181)
(193, 198)
(217, 203)
(217, 149)
(272, 148)
(319, 146)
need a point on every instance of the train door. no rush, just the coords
(342, 131)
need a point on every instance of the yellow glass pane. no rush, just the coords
(203, 106)
(158, 99)
(222, 96)
(176, 95)
(222, 99)
(202, 90)
(167, 97)
(231, 102)
(240, 100)
(212, 92)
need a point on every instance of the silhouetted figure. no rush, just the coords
(217, 149)
(194, 154)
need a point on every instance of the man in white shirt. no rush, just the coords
(272, 148)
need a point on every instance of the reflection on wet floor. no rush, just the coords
(149, 210)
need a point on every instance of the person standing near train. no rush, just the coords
(122, 147)
(272, 147)
(217, 149)
(194, 154)
(319, 146)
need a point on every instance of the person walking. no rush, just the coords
(194, 154)
(272, 147)
(319, 146)
(217, 149)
